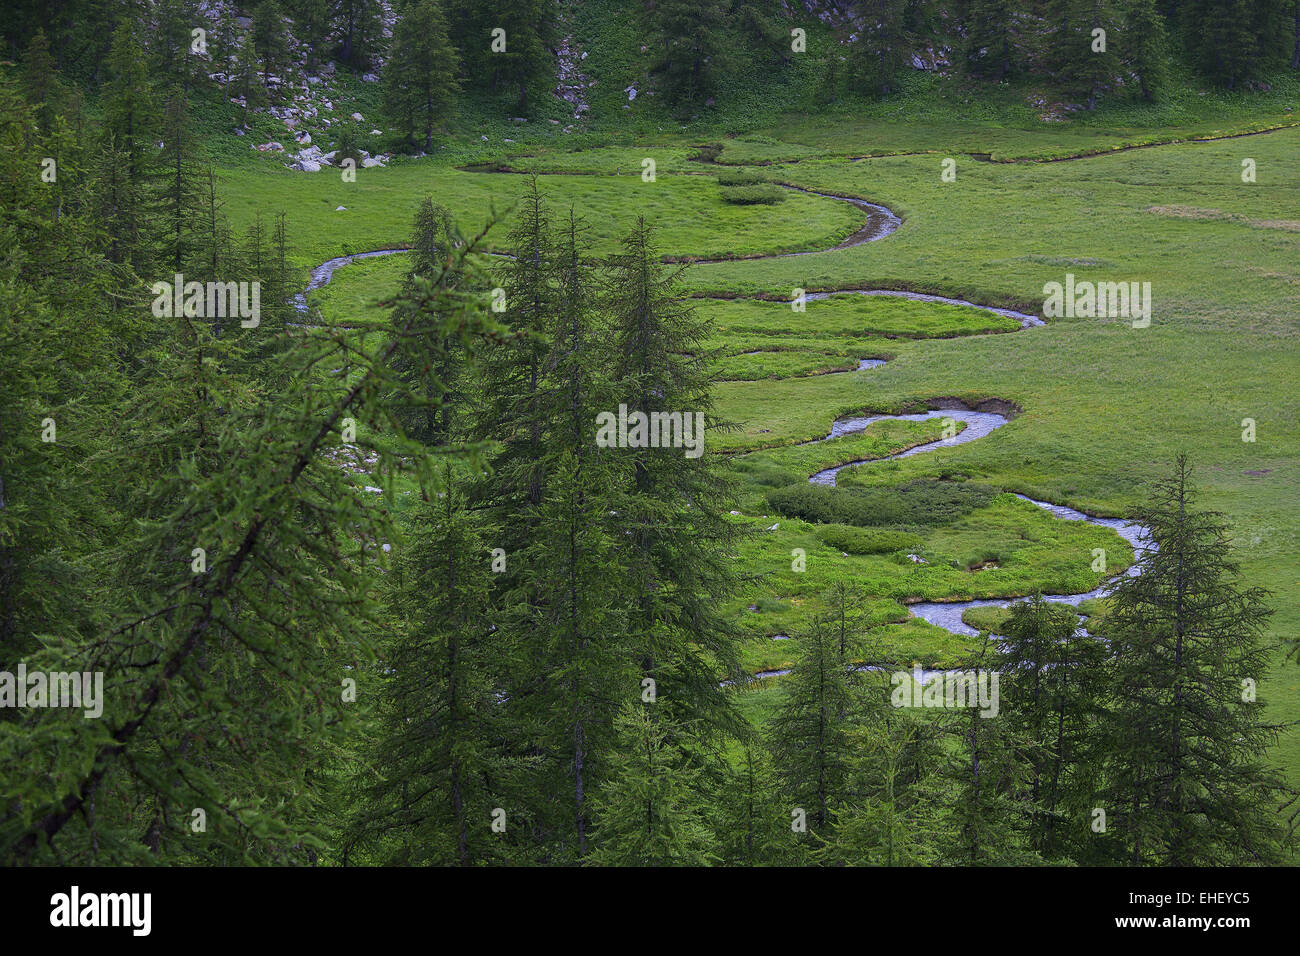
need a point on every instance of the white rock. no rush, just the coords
(340, 208)
(358, 118)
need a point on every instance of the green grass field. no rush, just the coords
(1104, 406)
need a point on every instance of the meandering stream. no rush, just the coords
(881, 222)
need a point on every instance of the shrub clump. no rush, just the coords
(740, 176)
(853, 540)
(920, 503)
(758, 194)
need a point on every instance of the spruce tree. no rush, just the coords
(989, 47)
(181, 188)
(510, 410)
(1144, 48)
(987, 769)
(312, 28)
(244, 82)
(359, 30)
(433, 244)
(1085, 62)
(41, 78)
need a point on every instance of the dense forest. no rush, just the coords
(375, 593)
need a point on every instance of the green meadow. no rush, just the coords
(1099, 407)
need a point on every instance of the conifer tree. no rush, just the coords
(687, 36)
(989, 48)
(1083, 60)
(430, 805)
(810, 736)
(679, 537)
(244, 639)
(1187, 777)
(510, 407)
(649, 808)
(181, 193)
(129, 159)
(170, 40)
(359, 29)
(891, 816)
(312, 28)
(420, 75)
(526, 62)
(1144, 48)
(244, 82)
(882, 51)
(753, 816)
(569, 617)
(41, 78)
(983, 828)
(271, 46)
(433, 243)
(1053, 682)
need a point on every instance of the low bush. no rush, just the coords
(765, 194)
(852, 540)
(922, 503)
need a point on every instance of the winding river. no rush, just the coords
(881, 222)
